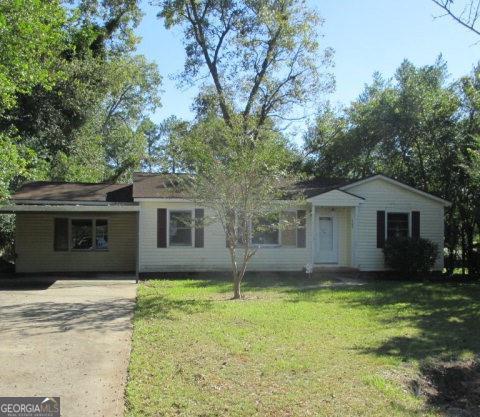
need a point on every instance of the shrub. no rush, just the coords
(409, 255)
(7, 232)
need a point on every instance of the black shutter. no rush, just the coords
(380, 229)
(199, 233)
(302, 229)
(60, 239)
(416, 225)
(161, 228)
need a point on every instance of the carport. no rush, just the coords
(75, 228)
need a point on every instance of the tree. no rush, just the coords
(465, 12)
(241, 181)
(86, 125)
(161, 155)
(263, 57)
(32, 37)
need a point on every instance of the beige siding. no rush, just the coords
(382, 195)
(214, 255)
(34, 245)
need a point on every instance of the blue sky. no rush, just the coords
(367, 36)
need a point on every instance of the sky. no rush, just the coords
(367, 36)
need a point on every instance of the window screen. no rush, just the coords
(397, 225)
(180, 228)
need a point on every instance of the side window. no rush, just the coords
(180, 228)
(397, 225)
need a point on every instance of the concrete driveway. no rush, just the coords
(69, 339)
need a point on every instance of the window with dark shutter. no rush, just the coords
(415, 224)
(60, 242)
(161, 228)
(302, 229)
(380, 229)
(199, 229)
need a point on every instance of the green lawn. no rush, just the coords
(294, 348)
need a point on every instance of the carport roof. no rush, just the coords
(73, 191)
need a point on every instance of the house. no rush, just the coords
(72, 227)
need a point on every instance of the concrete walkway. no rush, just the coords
(69, 339)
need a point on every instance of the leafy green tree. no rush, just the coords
(263, 57)
(32, 37)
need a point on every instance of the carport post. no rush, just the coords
(137, 261)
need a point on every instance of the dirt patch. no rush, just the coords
(453, 387)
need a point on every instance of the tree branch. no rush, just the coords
(469, 24)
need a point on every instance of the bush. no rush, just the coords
(407, 255)
(7, 232)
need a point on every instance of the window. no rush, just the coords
(265, 231)
(397, 225)
(180, 228)
(82, 234)
(85, 234)
(289, 232)
(101, 234)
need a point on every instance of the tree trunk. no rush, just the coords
(237, 280)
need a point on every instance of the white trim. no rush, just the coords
(65, 208)
(353, 236)
(400, 184)
(192, 228)
(312, 237)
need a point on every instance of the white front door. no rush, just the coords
(326, 242)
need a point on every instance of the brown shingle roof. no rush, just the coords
(144, 185)
(69, 191)
(316, 186)
(156, 185)
(147, 185)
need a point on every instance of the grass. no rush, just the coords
(293, 348)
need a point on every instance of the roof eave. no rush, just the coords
(17, 201)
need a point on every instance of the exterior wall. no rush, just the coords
(214, 255)
(382, 195)
(35, 237)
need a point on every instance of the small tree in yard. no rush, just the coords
(239, 178)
